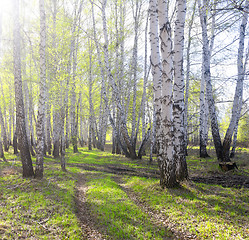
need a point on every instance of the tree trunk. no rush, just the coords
(56, 133)
(20, 115)
(203, 121)
(1, 151)
(238, 96)
(40, 130)
(48, 125)
(207, 77)
(3, 131)
(178, 106)
(166, 158)
(15, 143)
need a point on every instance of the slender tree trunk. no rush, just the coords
(31, 114)
(40, 131)
(207, 77)
(123, 126)
(56, 109)
(136, 16)
(89, 135)
(1, 151)
(3, 131)
(146, 74)
(235, 135)
(203, 121)
(178, 106)
(15, 143)
(20, 115)
(238, 96)
(153, 137)
(56, 133)
(48, 125)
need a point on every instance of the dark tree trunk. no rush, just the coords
(144, 144)
(203, 149)
(56, 150)
(20, 115)
(1, 151)
(15, 143)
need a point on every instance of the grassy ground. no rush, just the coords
(123, 203)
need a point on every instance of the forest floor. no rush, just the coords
(105, 196)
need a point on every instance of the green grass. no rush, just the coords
(123, 218)
(45, 209)
(97, 157)
(209, 211)
(40, 209)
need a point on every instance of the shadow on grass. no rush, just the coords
(39, 208)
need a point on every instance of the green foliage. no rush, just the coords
(243, 133)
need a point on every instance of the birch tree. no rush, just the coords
(40, 127)
(27, 165)
(207, 76)
(178, 106)
(222, 150)
(238, 95)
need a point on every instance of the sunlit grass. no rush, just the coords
(208, 211)
(122, 217)
(40, 209)
(45, 209)
(97, 157)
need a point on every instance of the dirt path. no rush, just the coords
(89, 223)
(157, 217)
(86, 218)
(92, 230)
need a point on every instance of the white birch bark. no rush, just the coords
(203, 119)
(136, 17)
(178, 107)
(74, 49)
(40, 130)
(238, 96)
(207, 77)
(143, 100)
(146, 74)
(203, 130)
(166, 152)
(124, 130)
(103, 110)
(235, 135)
(91, 109)
(48, 124)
